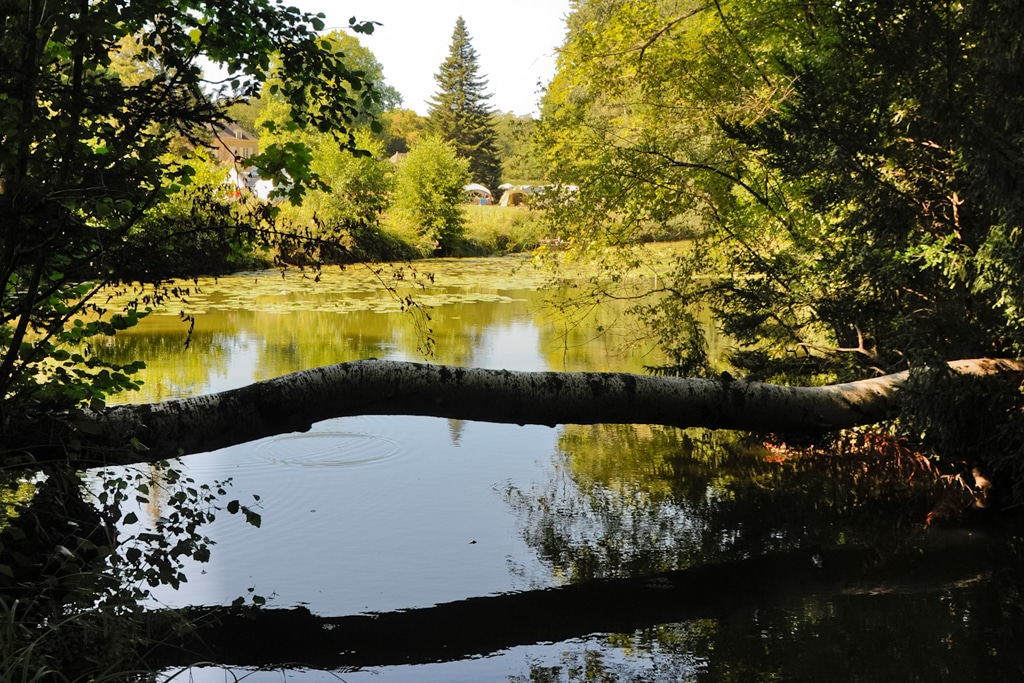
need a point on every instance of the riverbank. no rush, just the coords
(489, 231)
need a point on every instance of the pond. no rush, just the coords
(431, 549)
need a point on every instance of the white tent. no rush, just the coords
(516, 195)
(475, 192)
(476, 187)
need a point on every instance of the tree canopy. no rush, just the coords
(352, 189)
(856, 166)
(95, 95)
(849, 174)
(402, 127)
(428, 192)
(459, 111)
(522, 160)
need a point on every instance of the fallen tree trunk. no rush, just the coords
(296, 401)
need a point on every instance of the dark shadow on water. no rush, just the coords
(786, 612)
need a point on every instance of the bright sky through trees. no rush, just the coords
(516, 43)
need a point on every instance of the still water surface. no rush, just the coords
(379, 514)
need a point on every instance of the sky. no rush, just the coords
(515, 43)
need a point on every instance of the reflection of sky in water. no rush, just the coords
(426, 523)
(514, 664)
(513, 346)
(243, 353)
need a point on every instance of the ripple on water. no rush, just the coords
(302, 480)
(326, 448)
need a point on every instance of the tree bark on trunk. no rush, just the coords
(294, 402)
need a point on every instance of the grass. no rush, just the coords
(504, 229)
(490, 231)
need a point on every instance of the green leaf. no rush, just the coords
(252, 518)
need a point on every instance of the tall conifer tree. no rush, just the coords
(459, 111)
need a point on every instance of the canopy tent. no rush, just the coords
(476, 188)
(475, 192)
(516, 195)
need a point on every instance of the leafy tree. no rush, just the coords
(358, 59)
(82, 156)
(848, 172)
(900, 135)
(522, 160)
(622, 121)
(342, 219)
(360, 186)
(459, 111)
(402, 127)
(833, 193)
(247, 113)
(428, 192)
(354, 188)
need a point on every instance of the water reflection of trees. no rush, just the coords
(965, 633)
(307, 334)
(629, 501)
(173, 369)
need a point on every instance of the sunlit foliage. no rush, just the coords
(428, 192)
(843, 167)
(848, 174)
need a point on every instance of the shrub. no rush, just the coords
(428, 193)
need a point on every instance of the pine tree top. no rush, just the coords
(461, 86)
(459, 112)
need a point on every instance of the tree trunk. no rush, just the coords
(296, 401)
